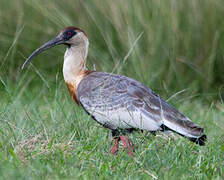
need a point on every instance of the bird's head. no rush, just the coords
(70, 36)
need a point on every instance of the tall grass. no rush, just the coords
(174, 47)
(181, 45)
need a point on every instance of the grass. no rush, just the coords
(43, 134)
(176, 48)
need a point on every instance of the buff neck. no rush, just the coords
(74, 66)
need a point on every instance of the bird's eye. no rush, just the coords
(69, 33)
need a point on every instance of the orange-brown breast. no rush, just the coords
(72, 88)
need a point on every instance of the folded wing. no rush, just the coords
(119, 102)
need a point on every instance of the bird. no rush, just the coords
(118, 103)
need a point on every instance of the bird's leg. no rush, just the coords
(115, 147)
(117, 138)
(127, 145)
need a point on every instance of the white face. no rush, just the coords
(78, 39)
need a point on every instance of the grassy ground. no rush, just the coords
(170, 46)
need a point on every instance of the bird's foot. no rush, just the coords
(115, 147)
(127, 145)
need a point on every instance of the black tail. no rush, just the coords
(200, 141)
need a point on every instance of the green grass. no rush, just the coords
(43, 134)
(171, 46)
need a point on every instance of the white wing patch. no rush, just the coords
(124, 119)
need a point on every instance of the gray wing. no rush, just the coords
(120, 102)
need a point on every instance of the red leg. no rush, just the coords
(127, 145)
(115, 147)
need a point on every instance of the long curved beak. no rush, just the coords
(56, 41)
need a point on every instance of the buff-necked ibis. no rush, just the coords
(117, 102)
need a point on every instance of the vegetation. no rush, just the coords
(174, 47)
